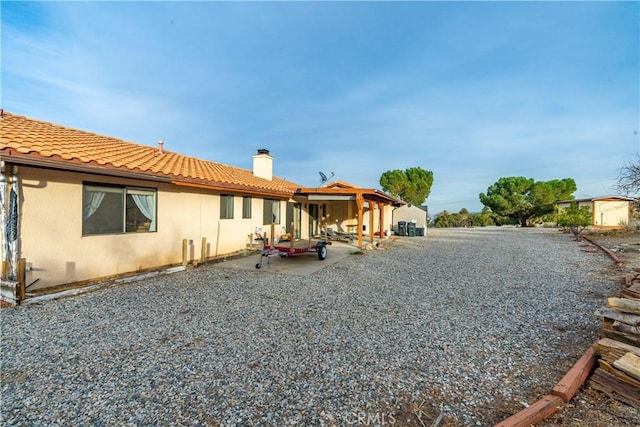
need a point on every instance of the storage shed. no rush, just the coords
(608, 211)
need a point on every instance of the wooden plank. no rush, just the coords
(203, 250)
(21, 291)
(629, 364)
(626, 305)
(610, 313)
(622, 337)
(631, 292)
(612, 350)
(618, 373)
(184, 252)
(626, 329)
(5, 270)
(613, 387)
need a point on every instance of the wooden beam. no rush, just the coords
(203, 250)
(371, 230)
(629, 364)
(626, 305)
(360, 204)
(21, 291)
(184, 252)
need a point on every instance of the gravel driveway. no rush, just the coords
(466, 325)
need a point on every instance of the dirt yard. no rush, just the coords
(590, 407)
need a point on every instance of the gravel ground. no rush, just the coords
(590, 407)
(464, 326)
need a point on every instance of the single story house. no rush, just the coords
(608, 211)
(77, 207)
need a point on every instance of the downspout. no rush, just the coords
(10, 218)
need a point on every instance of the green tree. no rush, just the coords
(443, 219)
(524, 198)
(413, 185)
(464, 219)
(575, 219)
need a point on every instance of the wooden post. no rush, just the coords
(203, 250)
(382, 230)
(371, 230)
(273, 234)
(21, 291)
(293, 226)
(5, 270)
(184, 252)
(360, 204)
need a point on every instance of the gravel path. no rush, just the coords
(466, 323)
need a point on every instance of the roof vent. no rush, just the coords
(263, 151)
(161, 147)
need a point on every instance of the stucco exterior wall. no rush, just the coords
(611, 213)
(607, 213)
(408, 213)
(57, 253)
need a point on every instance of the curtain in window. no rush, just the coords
(275, 211)
(92, 201)
(146, 204)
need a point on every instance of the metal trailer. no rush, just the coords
(286, 249)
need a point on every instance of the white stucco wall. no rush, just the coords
(57, 253)
(607, 213)
(611, 213)
(409, 213)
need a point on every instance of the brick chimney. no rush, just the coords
(263, 164)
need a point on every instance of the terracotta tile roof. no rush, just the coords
(28, 138)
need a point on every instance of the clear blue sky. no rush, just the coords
(472, 91)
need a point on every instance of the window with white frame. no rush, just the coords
(110, 209)
(246, 207)
(271, 211)
(226, 206)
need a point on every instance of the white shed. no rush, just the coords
(608, 211)
(410, 213)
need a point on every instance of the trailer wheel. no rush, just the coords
(258, 265)
(322, 252)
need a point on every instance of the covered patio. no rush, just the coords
(350, 210)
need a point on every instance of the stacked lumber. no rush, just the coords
(618, 352)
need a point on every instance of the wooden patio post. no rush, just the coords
(360, 204)
(293, 233)
(371, 230)
(381, 207)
